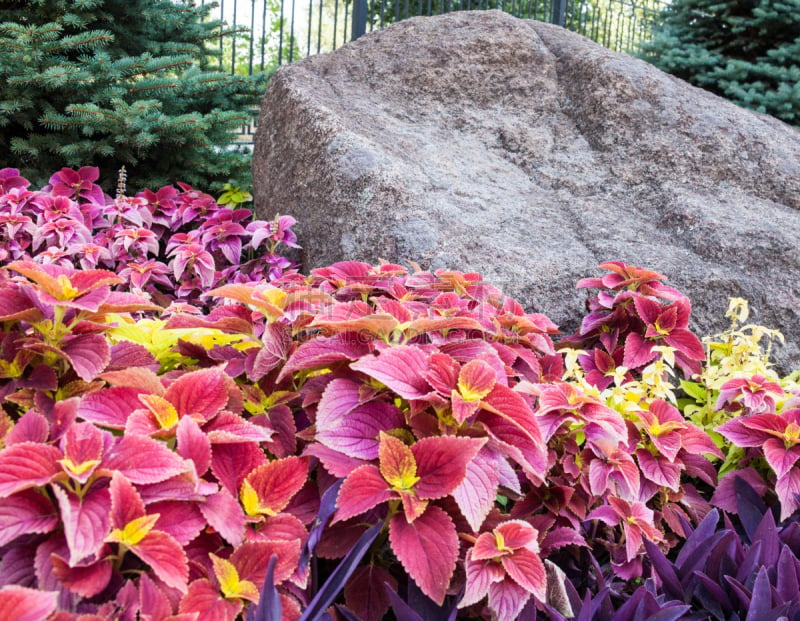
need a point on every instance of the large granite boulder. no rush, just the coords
(478, 141)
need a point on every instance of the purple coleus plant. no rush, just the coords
(168, 245)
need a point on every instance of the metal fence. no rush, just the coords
(269, 33)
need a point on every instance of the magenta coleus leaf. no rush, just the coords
(475, 495)
(638, 351)
(83, 450)
(402, 369)
(89, 354)
(363, 489)
(25, 513)
(32, 427)
(225, 515)
(181, 520)
(365, 593)
(143, 460)
(355, 432)
(659, 469)
(442, 463)
(231, 463)
(229, 428)
(166, 557)
(325, 351)
(86, 520)
(86, 580)
(199, 394)
(110, 407)
(24, 604)
(28, 464)
(125, 502)
(427, 548)
(193, 444)
(152, 600)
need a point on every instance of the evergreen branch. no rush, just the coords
(155, 87)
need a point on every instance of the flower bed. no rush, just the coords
(368, 441)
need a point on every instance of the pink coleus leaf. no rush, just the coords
(224, 514)
(325, 351)
(139, 377)
(110, 407)
(143, 460)
(427, 548)
(659, 469)
(230, 428)
(89, 354)
(125, 502)
(336, 463)
(476, 380)
(25, 513)
(24, 604)
(268, 489)
(200, 394)
(181, 520)
(204, 599)
(355, 433)
(32, 427)
(86, 520)
(442, 463)
(252, 557)
(507, 599)
(193, 444)
(402, 369)
(152, 600)
(83, 450)
(788, 489)
(527, 570)
(363, 489)
(475, 495)
(86, 580)
(26, 465)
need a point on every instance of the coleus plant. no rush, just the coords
(159, 480)
(172, 244)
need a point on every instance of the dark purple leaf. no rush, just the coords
(402, 611)
(347, 614)
(767, 535)
(269, 603)
(698, 543)
(711, 595)
(761, 599)
(788, 580)
(428, 608)
(336, 581)
(665, 571)
(750, 564)
(327, 507)
(751, 507)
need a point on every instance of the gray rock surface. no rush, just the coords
(478, 141)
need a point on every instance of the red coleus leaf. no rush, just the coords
(24, 604)
(269, 488)
(231, 463)
(110, 407)
(687, 343)
(85, 519)
(199, 394)
(363, 489)
(402, 369)
(85, 580)
(89, 354)
(427, 548)
(152, 600)
(229, 428)
(204, 599)
(442, 463)
(252, 557)
(527, 570)
(509, 418)
(139, 377)
(15, 305)
(143, 460)
(165, 556)
(475, 495)
(26, 465)
(397, 464)
(25, 513)
(181, 520)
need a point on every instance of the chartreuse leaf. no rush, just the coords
(231, 585)
(134, 531)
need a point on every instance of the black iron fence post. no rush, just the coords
(359, 19)
(558, 14)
